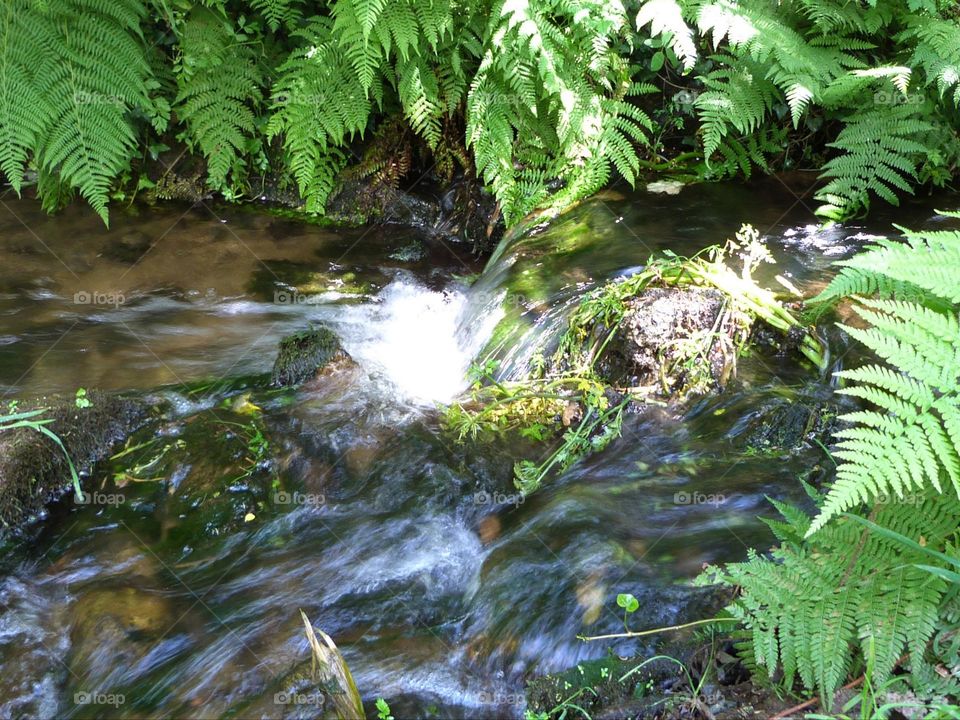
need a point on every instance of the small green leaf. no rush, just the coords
(628, 602)
(81, 399)
(383, 710)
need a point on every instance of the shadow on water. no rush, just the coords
(176, 589)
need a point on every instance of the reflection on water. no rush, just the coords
(443, 588)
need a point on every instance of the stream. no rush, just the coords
(176, 591)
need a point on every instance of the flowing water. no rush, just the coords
(176, 591)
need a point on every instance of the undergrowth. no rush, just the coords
(869, 586)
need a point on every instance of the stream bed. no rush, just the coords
(175, 590)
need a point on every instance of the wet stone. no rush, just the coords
(305, 353)
(128, 248)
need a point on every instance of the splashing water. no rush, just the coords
(414, 338)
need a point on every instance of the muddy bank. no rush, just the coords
(386, 188)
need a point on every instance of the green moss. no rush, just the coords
(303, 354)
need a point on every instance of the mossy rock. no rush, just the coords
(666, 341)
(789, 424)
(304, 354)
(34, 470)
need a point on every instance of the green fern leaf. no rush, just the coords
(219, 83)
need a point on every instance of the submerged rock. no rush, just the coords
(34, 470)
(791, 423)
(199, 477)
(113, 630)
(304, 354)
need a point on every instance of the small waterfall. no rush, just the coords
(414, 338)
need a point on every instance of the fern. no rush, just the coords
(370, 53)
(317, 107)
(548, 93)
(912, 441)
(219, 89)
(835, 592)
(813, 606)
(71, 71)
(548, 103)
(739, 98)
(806, 56)
(279, 13)
(881, 150)
(936, 52)
(765, 34)
(665, 17)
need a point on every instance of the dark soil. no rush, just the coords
(648, 349)
(33, 468)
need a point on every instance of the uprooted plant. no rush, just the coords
(674, 329)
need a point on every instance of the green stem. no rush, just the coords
(654, 631)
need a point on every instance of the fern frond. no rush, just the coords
(665, 17)
(925, 265)
(420, 95)
(72, 70)
(735, 98)
(816, 603)
(936, 51)
(279, 13)
(317, 107)
(915, 445)
(881, 148)
(27, 56)
(219, 82)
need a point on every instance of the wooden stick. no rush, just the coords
(813, 701)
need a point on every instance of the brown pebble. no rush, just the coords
(489, 529)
